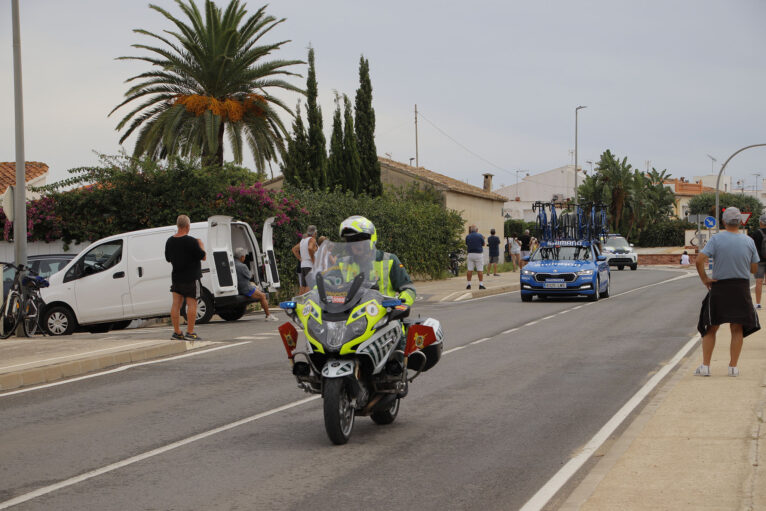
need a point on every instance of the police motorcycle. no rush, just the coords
(356, 353)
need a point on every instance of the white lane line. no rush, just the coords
(509, 331)
(456, 348)
(546, 317)
(479, 341)
(154, 452)
(449, 296)
(80, 355)
(122, 368)
(685, 276)
(544, 494)
(461, 297)
(245, 337)
(565, 311)
(532, 323)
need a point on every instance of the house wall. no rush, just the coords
(485, 213)
(538, 187)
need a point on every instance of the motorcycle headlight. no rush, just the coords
(355, 329)
(338, 332)
(316, 330)
(585, 272)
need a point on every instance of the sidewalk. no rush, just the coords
(700, 443)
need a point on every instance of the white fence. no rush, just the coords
(40, 248)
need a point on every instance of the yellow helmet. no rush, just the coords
(358, 228)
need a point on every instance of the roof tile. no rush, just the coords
(34, 169)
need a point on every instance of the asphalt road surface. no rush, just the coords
(521, 387)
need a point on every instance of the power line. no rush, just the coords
(461, 145)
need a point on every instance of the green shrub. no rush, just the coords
(515, 228)
(669, 233)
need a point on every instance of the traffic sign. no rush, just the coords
(709, 222)
(695, 219)
(744, 217)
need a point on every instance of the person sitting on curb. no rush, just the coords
(245, 284)
(728, 299)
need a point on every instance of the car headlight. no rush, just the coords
(585, 272)
(608, 250)
(527, 272)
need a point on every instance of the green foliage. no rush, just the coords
(335, 164)
(209, 78)
(667, 233)
(317, 153)
(422, 234)
(351, 160)
(704, 204)
(416, 192)
(365, 133)
(295, 167)
(515, 228)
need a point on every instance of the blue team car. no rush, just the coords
(565, 268)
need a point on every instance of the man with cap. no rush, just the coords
(245, 284)
(728, 300)
(758, 238)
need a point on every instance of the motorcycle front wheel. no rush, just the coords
(338, 411)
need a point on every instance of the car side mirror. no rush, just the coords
(601, 258)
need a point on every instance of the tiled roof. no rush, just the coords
(686, 188)
(441, 181)
(34, 169)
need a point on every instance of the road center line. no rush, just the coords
(544, 494)
(122, 368)
(478, 341)
(509, 331)
(154, 452)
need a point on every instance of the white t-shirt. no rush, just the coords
(685, 259)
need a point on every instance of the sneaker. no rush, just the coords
(495, 274)
(468, 286)
(481, 286)
(733, 371)
(271, 317)
(758, 307)
(177, 337)
(702, 370)
(192, 337)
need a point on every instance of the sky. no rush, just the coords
(496, 82)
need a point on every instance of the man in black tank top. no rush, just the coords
(185, 253)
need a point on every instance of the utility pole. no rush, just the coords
(19, 199)
(757, 177)
(417, 161)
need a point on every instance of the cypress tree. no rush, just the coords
(294, 168)
(317, 155)
(335, 164)
(353, 163)
(365, 132)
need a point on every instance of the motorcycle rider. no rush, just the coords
(392, 278)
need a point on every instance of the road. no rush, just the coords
(521, 387)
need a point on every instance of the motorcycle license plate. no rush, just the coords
(555, 285)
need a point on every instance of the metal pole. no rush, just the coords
(417, 161)
(575, 155)
(718, 182)
(19, 198)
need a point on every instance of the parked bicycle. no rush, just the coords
(455, 259)
(23, 303)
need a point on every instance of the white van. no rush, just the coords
(125, 277)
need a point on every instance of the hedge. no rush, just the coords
(669, 233)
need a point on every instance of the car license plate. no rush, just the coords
(555, 285)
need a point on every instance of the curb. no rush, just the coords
(481, 293)
(54, 372)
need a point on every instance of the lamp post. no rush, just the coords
(577, 110)
(718, 181)
(591, 165)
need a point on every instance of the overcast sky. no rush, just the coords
(668, 81)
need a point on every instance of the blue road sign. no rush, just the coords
(709, 222)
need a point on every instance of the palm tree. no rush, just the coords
(618, 176)
(210, 78)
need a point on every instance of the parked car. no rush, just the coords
(565, 268)
(43, 265)
(619, 252)
(125, 277)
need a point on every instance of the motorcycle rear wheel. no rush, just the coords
(338, 411)
(388, 416)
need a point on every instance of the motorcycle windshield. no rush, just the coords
(343, 273)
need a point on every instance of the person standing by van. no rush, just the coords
(185, 253)
(304, 250)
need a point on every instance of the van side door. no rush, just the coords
(220, 256)
(149, 273)
(269, 259)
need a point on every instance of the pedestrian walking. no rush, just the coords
(525, 240)
(185, 254)
(759, 238)
(515, 253)
(304, 250)
(728, 299)
(475, 262)
(493, 242)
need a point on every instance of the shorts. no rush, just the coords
(252, 292)
(302, 277)
(493, 259)
(475, 262)
(524, 253)
(186, 289)
(515, 252)
(759, 274)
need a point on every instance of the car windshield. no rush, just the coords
(562, 254)
(617, 242)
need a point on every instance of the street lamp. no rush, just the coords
(577, 110)
(591, 165)
(712, 164)
(718, 181)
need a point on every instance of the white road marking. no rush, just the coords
(122, 368)
(449, 296)
(479, 341)
(565, 311)
(509, 331)
(461, 297)
(456, 348)
(154, 452)
(80, 355)
(532, 322)
(547, 317)
(544, 494)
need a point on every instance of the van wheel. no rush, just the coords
(59, 320)
(233, 313)
(634, 266)
(205, 308)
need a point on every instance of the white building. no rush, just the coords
(557, 184)
(710, 180)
